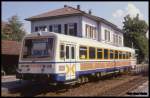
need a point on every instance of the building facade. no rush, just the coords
(75, 22)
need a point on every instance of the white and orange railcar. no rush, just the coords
(62, 58)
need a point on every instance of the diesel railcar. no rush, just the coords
(63, 59)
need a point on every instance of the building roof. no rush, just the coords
(10, 47)
(67, 11)
(58, 12)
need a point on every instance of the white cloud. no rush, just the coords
(118, 13)
(130, 9)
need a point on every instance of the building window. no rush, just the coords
(120, 40)
(114, 38)
(71, 29)
(55, 28)
(42, 28)
(99, 53)
(107, 35)
(94, 33)
(92, 53)
(117, 40)
(87, 29)
(90, 32)
(66, 29)
(83, 52)
(105, 53)
(36, 29)
(50, 28)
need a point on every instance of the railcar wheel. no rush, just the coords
(79, 80)
(82, 79)
(98, 75)
(86, 79)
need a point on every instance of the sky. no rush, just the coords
(111, 11)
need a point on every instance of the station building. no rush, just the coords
(75, 22)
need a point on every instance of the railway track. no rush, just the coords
(103, 87)
(123, 89)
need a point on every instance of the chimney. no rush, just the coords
(65, 5)
(78, 7)
(90, 12)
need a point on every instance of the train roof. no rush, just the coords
(81, 40)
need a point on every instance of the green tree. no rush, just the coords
(135, 32)
(14, 27)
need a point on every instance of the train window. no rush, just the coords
(92, 53)
(67, 52)
(123, 55)
(73, 53)
(99, 53)
(111, 54)
(116, 54)
(62, 55)
(127, 55)
(120, 55)
(105, 53)
(83, 52)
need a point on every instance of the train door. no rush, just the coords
(70, 59)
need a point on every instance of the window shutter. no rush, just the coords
(50, 28)
(66, 28)
(75, 29)
(59, 28)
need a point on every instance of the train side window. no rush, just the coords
(62, 51)
(129, 54)
(83, 52)
(116, 54)
(73, 53)
(99, 53)
(126, 55)
(105, 53)
(111, 54)
(67, 52)
(120, 55)
(92, 53)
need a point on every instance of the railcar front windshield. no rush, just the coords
(37, 49)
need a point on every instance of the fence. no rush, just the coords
(141, 69)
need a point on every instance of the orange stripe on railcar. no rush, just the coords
(93, 66)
